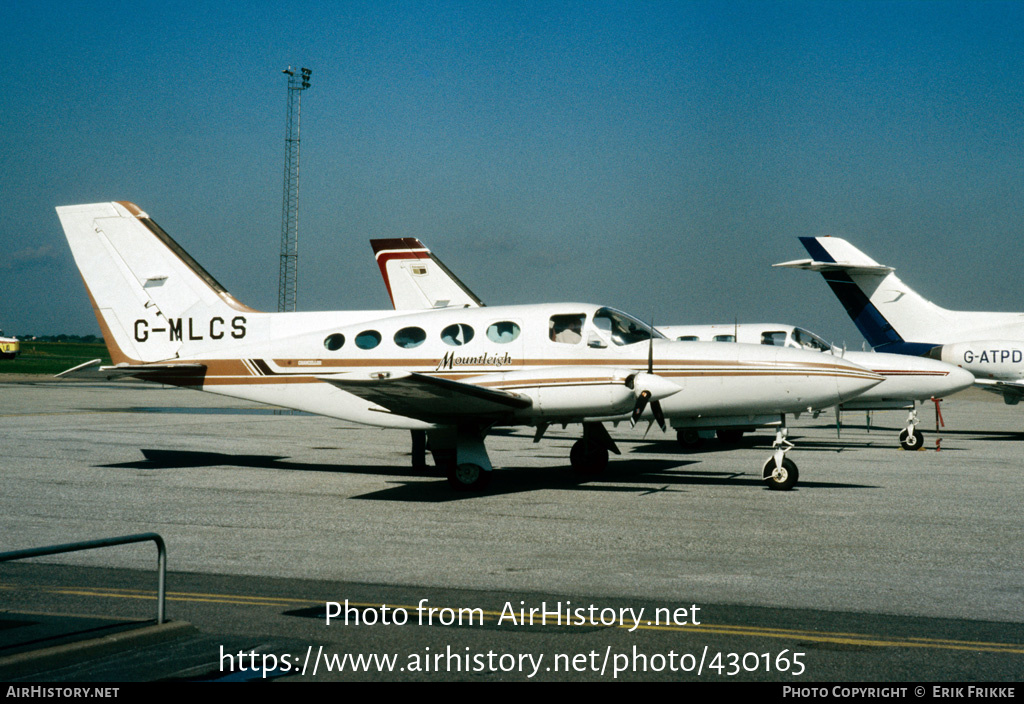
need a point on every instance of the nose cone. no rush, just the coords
(910, 378)
(957, 380)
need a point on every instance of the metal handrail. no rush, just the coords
(161, 557)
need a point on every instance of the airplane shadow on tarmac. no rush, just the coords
(426, 485)
(760, 442)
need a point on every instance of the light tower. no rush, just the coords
(288, 279)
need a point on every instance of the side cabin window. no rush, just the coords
(724, 338)
(776, 338)
(367, 339)
(457, 335)
(687, 338)
(567, 329)
(408, 338)
(334, 342)
(503, 332)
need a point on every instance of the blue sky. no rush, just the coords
(654, 156)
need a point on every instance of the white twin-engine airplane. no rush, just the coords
(417, 279)
(894, 318)
(908, 380)
(453, 372)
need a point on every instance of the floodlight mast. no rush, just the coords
(288, 277)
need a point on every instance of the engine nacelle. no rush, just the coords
(986, 359)
(571, 391)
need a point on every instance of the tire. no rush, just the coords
(689, 439)
(468, 477)
(911, 441)
(729, 436)
(588, 458)
(782, 480)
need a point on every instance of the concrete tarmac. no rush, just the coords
(246, 491)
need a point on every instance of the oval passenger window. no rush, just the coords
(367, 339)
(456, 335)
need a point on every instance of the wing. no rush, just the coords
(428, 398)
(1012, 392)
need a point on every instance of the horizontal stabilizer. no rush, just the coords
(95, 370)
(428, 398)
(87, 369)
(812, 265)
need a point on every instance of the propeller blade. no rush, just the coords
(659, 415)
(640, 407)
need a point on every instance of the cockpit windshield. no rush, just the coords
(809, 341)
(623, 329)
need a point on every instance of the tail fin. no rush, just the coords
(890, 315)
(416, 279)
(150, 297)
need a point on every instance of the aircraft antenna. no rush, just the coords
(288, 278)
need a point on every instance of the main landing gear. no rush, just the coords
(689, 438)
(589, 454)
(779, 472)
(461, 455)
(467, 476)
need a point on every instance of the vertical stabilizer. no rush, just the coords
(150, 297)
(890, 315)
(416, 279)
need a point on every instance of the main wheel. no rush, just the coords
(588, 458)
(688, 438)
(780, 478)
(468, 477)
(911, 441)
(730, 436)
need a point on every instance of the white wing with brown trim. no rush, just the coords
(430, 399)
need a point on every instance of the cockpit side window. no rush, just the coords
(621, 328)
(567, 329)
(810, 341)
(776, 338)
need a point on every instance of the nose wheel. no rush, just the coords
(911, 439)
(779, 472)
(782, 476)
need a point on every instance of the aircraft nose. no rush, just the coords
(957, 380)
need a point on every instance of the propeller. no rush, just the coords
(649, 384)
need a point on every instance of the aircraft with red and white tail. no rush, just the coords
(417, 279)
